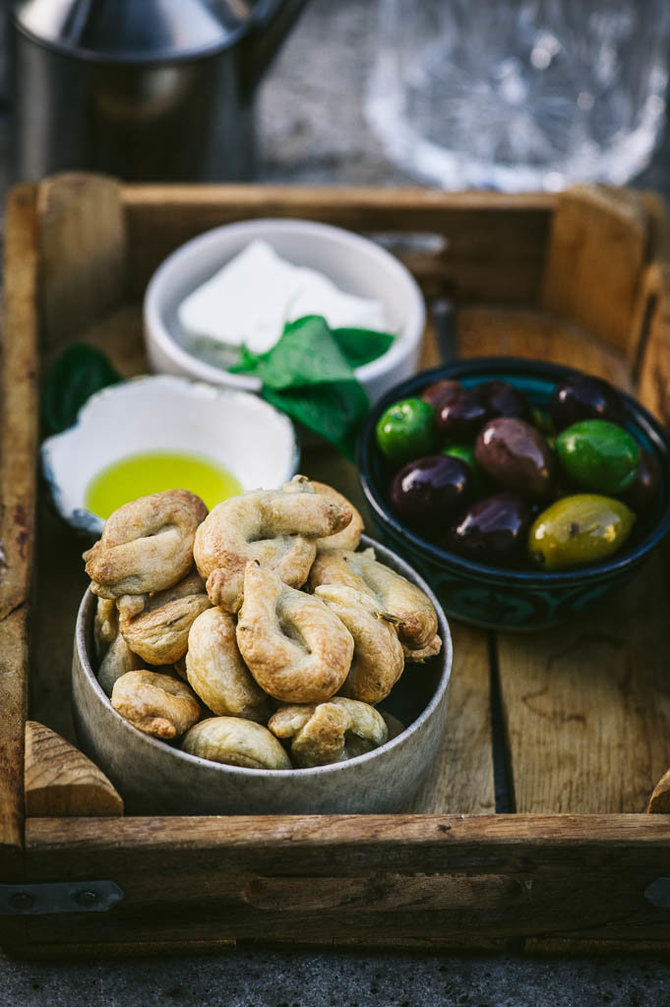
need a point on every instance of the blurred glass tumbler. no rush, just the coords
(149, 90)
(520, 95)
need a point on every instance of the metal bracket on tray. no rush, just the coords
(59, 897)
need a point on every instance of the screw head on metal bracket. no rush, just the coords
(86, 897)
(21, 900)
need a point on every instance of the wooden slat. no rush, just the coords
(588, 724)
(60, 781)
(597, 251)
(476, 227)
(82, 250)
(18, 451)
(587, 705)
(461, 776)
(538, 335)
(654, 363)
(403, 876)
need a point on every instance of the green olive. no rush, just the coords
(598, 455)
(578, 530)
(406, 430)
(466, 452)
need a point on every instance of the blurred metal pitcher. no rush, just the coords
(149, 90)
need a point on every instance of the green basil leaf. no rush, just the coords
(306, 354)
(75, 375)
(361, 346)
(308, 377)
(334, 410)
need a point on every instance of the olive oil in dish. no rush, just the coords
(153, 471)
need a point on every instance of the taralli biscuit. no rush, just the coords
(417, 619)
(236, 742)
(293, 644)
(156, 704)
(277, 530)
(216, 671)
(349, 537)
(146, 545)
(329, 732)
(159, 633)
(378, 660)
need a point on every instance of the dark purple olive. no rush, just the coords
(429, 491)
(462, 415)
(584, 397)
(437, 393)
(517, 456)
(505, 400)
(643, 494)
(493, 530)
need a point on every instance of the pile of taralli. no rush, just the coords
(255, 633)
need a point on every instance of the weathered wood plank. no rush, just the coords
(494, 876)
(475, 225)
(597, 251)
(587, 705)
(18, 453)
(60, 781)
(461, 776)
(82, 251)
(537, 335)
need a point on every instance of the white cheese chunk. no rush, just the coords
(250, 299)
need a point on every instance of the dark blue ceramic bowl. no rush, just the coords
(490, 596)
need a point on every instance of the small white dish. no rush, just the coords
(355, 264)
(240, 432)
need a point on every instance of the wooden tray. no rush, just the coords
(531, 828)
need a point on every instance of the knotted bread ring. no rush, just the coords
(417, 619)
(378, 654)
(216, 671)
(159, 634)
(350, 536)
(295, 647)
(328, 732)
(155, 704)
(278, 530)
(236, 742)
(146, 545)
(114, 655)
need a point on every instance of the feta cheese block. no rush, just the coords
(251, 298)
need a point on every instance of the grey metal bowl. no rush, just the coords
(154, 777)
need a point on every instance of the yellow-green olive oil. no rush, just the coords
(153, 471)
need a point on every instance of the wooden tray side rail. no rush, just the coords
(584, 711)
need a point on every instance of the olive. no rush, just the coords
(642, 494)
(466, 452)
(406, 430)
(437, 393)
(516, 456)
(462, 415)
(428, 491)
(578, 530)
(504, 399)
(493, 530)
(599, 456)
(584, 397)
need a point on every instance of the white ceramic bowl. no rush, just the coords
(154, 777)
(355, 264)
(242, 433)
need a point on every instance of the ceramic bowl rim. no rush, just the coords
(474, 367)
(85, 616)
(84, 519)
(156, 331)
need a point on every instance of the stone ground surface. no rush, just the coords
(313, 131)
